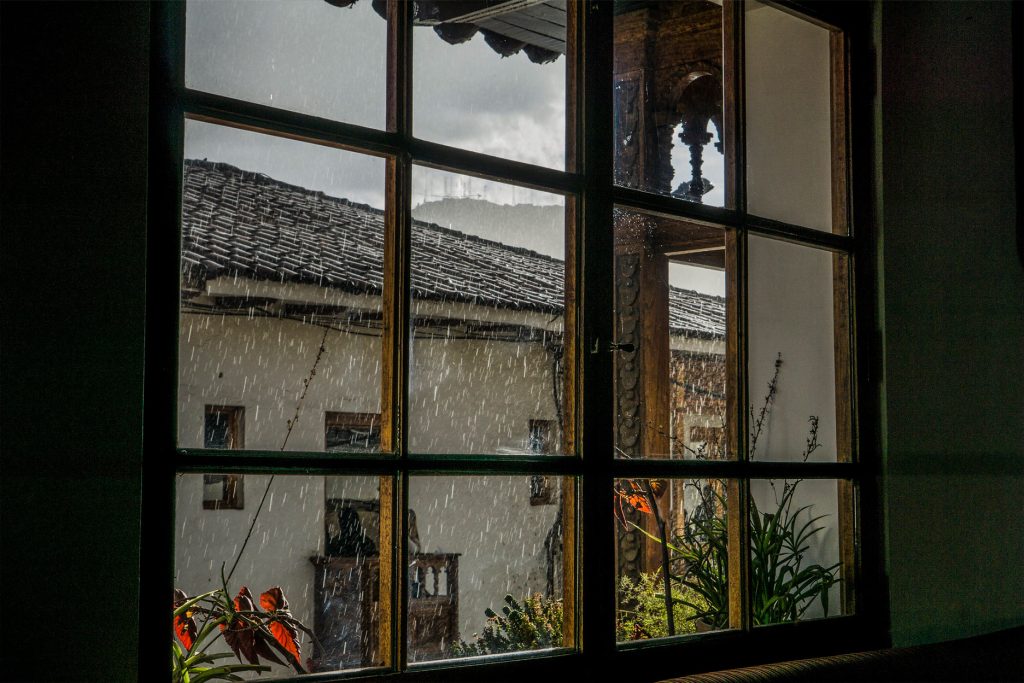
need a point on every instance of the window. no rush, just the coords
(223, 428)
(542, 488)
(528, 279)
(347, 432)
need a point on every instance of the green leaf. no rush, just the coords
(228, 673)
(201, 658)
(188, 604)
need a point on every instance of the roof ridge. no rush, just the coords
(224, 166)
(703, 295)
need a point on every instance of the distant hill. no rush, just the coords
(540, 228)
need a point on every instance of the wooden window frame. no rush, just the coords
(335, 418)
(232, 484)
(588, 468)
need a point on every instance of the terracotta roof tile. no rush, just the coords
(241, 223)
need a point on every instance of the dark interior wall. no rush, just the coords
(952, 292)
(74, 129)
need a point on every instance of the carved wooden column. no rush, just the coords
(643, 155)
(667, 71)
(641, 368)
(700, 103)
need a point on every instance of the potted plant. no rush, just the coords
(270, 634)
(783, 586)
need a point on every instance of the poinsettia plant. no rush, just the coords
(258, 635)
(270, 634)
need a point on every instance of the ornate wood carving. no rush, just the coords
(629, 416)
(668, 71)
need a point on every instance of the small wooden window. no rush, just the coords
(224, 428)
(543, 489)
(351, 432)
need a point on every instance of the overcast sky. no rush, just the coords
(312, 57)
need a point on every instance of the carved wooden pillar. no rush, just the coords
(641, 369)
(700, 103)
(667, 71)
(643, 154)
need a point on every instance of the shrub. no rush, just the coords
(643, 612)
(534, 624)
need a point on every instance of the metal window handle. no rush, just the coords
(597, 347)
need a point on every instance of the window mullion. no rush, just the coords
(732, 106)
(597, 323)
(395, 362)
(738, 490)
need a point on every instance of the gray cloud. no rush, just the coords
(312, 57)
(308, 56)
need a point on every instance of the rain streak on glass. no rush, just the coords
(478, 546)
(309, 57)
(281, 279)
(492, 79)
(670, 327)
(488, 292)
(316, 539)
(676, 528)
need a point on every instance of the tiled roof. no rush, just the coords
(241, 223)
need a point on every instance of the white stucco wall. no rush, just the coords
(499, 534)
(791, 311)
(790, 288)
(260, 363)
(472, 396)
(466, 396)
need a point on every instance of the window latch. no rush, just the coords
(597, 347)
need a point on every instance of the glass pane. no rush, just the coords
(490, 77)
(668, 99)
(315, 539)
(280, 291)
(795, 543)
(488, 280)
(670, 366)
(480, 546)
(679, 525)
(309, 57)
(791, 353)
(789, 135)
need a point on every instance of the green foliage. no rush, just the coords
(643, 614)
(532, 625)
(701, 558)
(189, 661)
(269, 634)
(782, 587)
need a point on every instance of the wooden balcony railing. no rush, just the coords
(346, 615)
